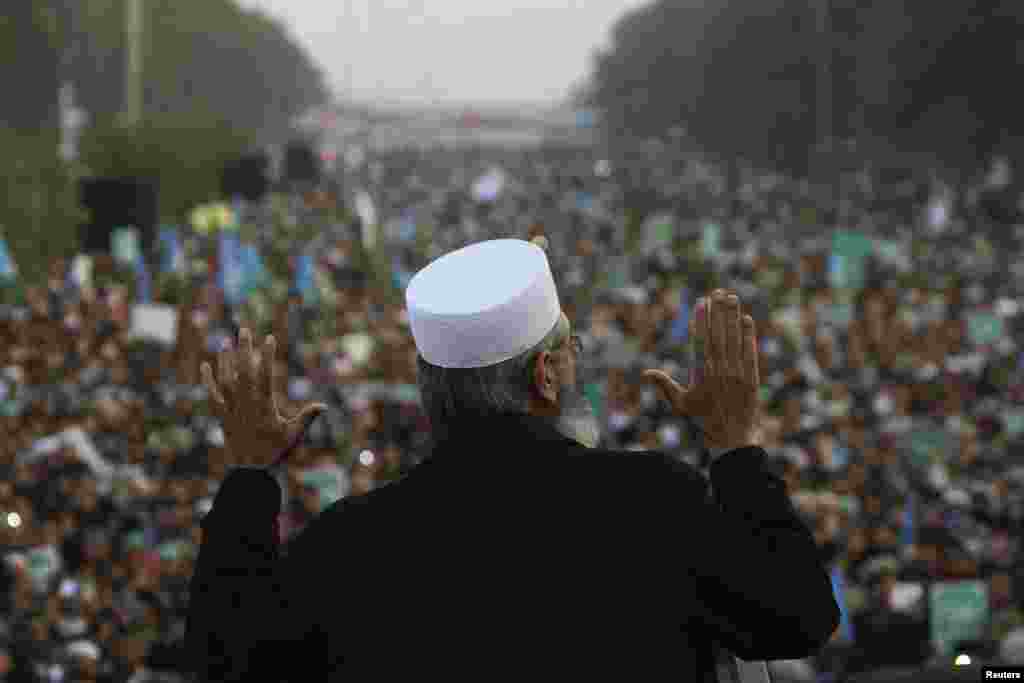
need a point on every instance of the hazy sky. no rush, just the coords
(451, 50)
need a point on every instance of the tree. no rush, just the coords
(743, 76)
(218, 80)
(183, 152)
(40, 215)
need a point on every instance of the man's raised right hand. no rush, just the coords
(725, 398)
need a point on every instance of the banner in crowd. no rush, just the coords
(359, 347)
(585, 118)
(143, 281)
(209, 218)
(847, 259)
(8, 271)
(959, 612)
(330, 482)
(489, 186)
(1013, 422)
(400, 276)
(367, 212)
(893, 253)
(172, 254)
(304, 282)
(125, 246)
(984, 326)
(681, 325)
(658, 231)
(595, 394)
(927, 444)
(711, 239)
(253, 269)
(839, 590)
(154, 322)
(81, 271)
(401, 230)
(230, 276)
(583, 202)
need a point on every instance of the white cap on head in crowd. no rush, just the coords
(85, 649)
(482, 304)
(1011, 650)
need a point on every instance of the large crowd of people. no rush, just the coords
(893, 389)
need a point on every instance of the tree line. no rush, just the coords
(766, 79)
(210, 56)
(217, 81)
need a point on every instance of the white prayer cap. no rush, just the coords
(482, 304)
(85, 649)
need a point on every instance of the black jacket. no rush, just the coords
(529, 555)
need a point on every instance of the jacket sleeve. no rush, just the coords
(762, 588)
(247, 616)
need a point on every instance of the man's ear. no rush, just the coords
(545, 379)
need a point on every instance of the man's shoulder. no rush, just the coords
(640, 464)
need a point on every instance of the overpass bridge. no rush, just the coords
(380, 127)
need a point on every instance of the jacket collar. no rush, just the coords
(473, 437)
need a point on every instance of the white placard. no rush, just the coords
(157, 322)
(368, 215)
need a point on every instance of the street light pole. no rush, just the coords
(824, 89)
(132, 112)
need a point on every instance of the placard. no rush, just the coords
(155, 322)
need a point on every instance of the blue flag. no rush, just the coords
(681, 325)
(909, 532)
(836, 270)
(143, 281)
(252, 265)
(839, 590)
(7, 269)
(407, 228)
(230, 276)
(304, 276)
(173, 259)
(400, 277)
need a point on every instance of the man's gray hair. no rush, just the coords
(453, 394)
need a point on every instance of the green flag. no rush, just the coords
(126, 245)
(1013, 422)
(326, 483)
(984, 327)
(893, 253)
(925, 445)
(959, 612)
(595, 394)
(710, 240)
(850, 250)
